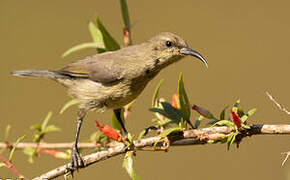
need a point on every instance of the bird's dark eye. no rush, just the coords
(168, 43)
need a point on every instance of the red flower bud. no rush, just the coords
(235, 118)
(175, 101)
(108, 131)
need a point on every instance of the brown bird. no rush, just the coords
(111, 80)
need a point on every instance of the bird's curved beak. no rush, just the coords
(188, 51)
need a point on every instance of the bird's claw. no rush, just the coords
(76, 160)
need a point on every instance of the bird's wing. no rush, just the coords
(97, 70)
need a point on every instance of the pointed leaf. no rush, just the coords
(197, 122)
(96, 34)
(8, 127)
(204, 112)
(51, 128)
(110, 43)
(128, 165)
(246, 116)
(224, 123)
(169, 131)
(184, 102)
(230, 140)
(252, 111)
(14, 147)
(171, 111)
(83, 46)
(2, 164)
(36, 127)
(235, 107)
(115, 123)
(222, 115)
(156, 92)
(45, 121)
(125, 14)
(68, 104)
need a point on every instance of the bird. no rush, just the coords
(113, 79)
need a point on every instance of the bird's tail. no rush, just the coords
(36, 73)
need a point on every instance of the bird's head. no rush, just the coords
(168, 48)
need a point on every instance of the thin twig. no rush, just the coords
(286, 158)
(11, 167)
(281, 107)
(190, 137)
(47, 145)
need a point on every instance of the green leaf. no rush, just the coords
(14, 147)
(51, 128)
(2, 164)
(115, 122)
(142, 133)
(224, 123)
(83, 46)
(30, 152)
(252, 111)
(222, 115)
(36, 127)
(197, 122)
(96, 34)
(110, 43)
(125, 14)
(128, 165)
(245, 126)
(246, 116)
(235, 107)
(240, 112)
(156, 92)
(45, 121)
(184, 102)
(231, 138)
(170, 112)
(8, 127)
(166, 132)
(68, 104)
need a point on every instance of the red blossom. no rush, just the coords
(235, 118)
(108, 131)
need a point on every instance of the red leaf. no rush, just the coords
(175, 101)
(235, 118)
(54, 153)
(108, 131)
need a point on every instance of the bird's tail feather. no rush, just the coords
(36, 73)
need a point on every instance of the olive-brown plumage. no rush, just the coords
(111, 80)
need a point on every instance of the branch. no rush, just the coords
(47, 145)
(282, 108)
(11, 167)
(189, 137)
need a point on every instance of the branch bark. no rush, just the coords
(189, 137)
(46, 145)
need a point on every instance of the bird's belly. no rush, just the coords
(96, 96)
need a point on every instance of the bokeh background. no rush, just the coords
(246, 44)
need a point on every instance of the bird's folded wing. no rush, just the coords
(98, 71)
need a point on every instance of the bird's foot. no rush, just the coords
(76, 160)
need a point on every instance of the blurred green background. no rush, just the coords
(246, 44)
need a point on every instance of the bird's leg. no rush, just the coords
(118, 115)
(76, 160)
